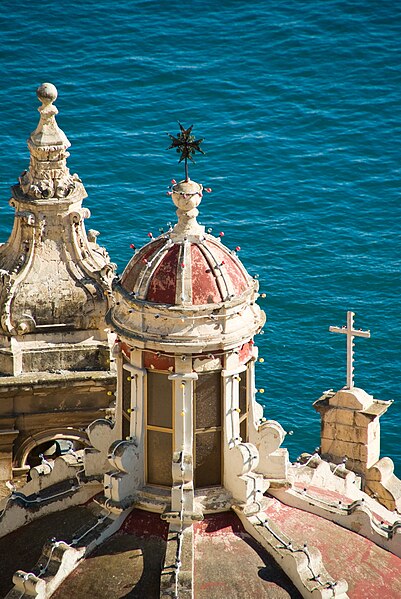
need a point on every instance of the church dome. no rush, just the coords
(186, 266)
(183, 272)
(185, 287)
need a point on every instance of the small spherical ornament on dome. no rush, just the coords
(47, 93)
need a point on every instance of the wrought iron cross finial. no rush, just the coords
(186, 145)
(351, 333)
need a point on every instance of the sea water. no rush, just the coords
(299, 106)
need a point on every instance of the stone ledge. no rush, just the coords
(46, 378)
(377, 408)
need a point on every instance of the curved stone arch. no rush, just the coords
(55, 434)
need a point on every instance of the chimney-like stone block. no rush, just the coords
(350, 428)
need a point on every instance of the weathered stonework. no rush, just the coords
(350, 430)
(185, 311)
(382, 484)
(55, 289)
(186, 308)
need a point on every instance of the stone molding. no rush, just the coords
(360, 515)
(304, 566)
(383, 485)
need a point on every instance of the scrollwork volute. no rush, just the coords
(25, 325)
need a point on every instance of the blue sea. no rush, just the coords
(299, 104)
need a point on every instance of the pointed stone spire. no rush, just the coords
(48, 175)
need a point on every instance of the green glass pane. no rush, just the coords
(159, 455)
(159, 400)
(208, 459)
(208, 400)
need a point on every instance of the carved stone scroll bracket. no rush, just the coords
(246, 486)
(101, 435)
(93, 259)
(122, 484)
(23, 250)
(383, 485)
(25, 325)
(273, 460)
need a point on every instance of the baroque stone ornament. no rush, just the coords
(51, 273)
(48, 175)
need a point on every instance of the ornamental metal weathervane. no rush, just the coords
(186, 145)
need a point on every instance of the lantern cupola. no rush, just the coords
(186, 314)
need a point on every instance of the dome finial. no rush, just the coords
(186, 145)
(187, 196)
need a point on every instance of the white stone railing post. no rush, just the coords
(138, 378)
(137, 402)
(255, 410)
(119, 391)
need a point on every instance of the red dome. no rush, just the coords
(185, 272)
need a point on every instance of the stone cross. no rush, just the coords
(351, 333)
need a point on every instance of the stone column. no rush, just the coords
(137, 403)
(182, 467)
(231, 382)
(119, 390)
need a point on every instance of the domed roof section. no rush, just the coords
(185, 272)
(186, 266)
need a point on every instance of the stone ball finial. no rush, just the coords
(47, 93)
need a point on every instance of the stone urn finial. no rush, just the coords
(48, 133)
(187, 195)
